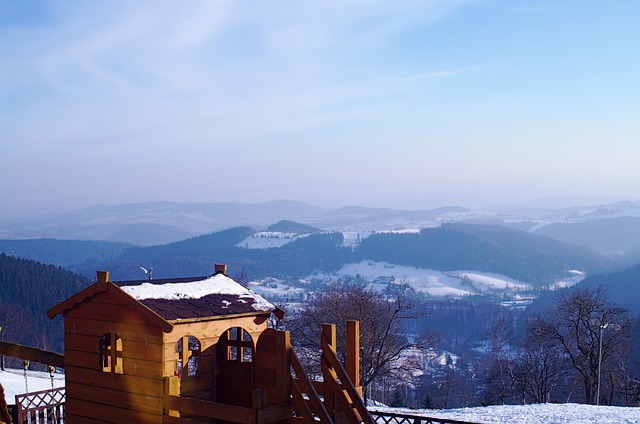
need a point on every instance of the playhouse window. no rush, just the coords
(111, 353)
(190, 356)
(239, 345)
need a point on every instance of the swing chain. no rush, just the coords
(52, 371)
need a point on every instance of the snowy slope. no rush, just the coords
(269, 239)
(430, 281)
(569, 413)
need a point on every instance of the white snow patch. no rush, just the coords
(486, 280)
(576, 277)
(269, 239)
(353, 238)
(435, 283)
(275, 288)
(565, 413)
(13, 382)
(424, 280)
(217, 284)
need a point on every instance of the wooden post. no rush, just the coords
(103, 276)
(258, 399)
(353, 353)
(184, 357)
(114, 354)
(172, 387)
(328, 336)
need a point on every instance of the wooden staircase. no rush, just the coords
(338, 397)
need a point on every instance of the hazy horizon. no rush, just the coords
(367, 103)
(488, 205)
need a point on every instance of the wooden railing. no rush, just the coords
(338, 382)
(306, 400)
(32, 354)
(336, 398)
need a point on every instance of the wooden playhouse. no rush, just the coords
(195, 350)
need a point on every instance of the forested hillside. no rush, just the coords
(27, 289)
(520, 255)
(196, 256)
(63, 252)
(623, 287)
(533, 259)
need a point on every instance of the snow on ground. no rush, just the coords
(568, 413)
(430, 281)
(353, 238)
(488, 281)
(269, 239)
(271, 289)
(13, 382)
(576, 277)
(424, 280)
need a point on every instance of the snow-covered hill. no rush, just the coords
(438, 283)
(435, 283)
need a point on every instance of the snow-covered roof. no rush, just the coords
(201, 297)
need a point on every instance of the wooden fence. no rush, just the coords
(384, 417)
(43, 407)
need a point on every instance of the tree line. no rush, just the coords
(579, 349)
(27, 289)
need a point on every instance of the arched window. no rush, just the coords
(189, 356)
(111, 353)
(239, 345)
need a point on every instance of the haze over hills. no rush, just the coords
(609, 228)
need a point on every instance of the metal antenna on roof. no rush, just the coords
(149, 272)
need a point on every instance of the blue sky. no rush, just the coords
(381, 103)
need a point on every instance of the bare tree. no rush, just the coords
(500, 370)
(381, 315)
(539, 370)
(588, 330)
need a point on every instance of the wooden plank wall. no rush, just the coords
(203, 386)
(97, 396)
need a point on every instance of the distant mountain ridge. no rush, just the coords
(156, 223)
(533, 259)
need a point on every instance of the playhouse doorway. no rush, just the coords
(235, 359)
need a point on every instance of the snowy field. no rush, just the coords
(269, 239)
(436, 283)
(14, 383)
(569, 413)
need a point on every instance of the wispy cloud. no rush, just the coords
(454, 72)
(140, 62)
